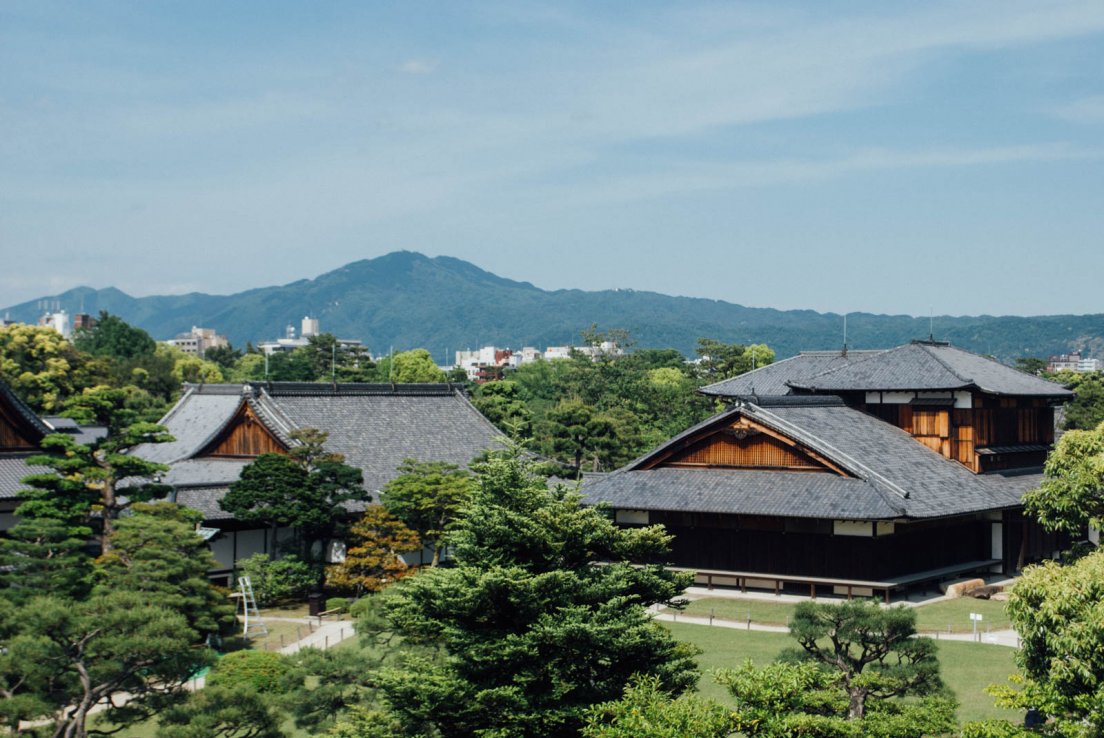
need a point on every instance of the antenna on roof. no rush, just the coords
(844, 353)
(931, 324)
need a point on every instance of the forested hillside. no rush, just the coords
(406, 300)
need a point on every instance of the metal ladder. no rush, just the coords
(251, 616)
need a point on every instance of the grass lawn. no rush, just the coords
(967, 667)
(956, 614)
(929, 618)
(768, 613)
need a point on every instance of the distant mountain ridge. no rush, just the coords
(406, 300)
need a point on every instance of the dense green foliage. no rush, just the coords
(280, 580)
(1086, 410)
(874, 651)
(404, 299)
(428, 496)
(222, 712)
(532, 632)
(305, 490)
(138, 632)
(155, 552)
(647, 711)
(1058, 610)
(1071, 496)
(263, 671)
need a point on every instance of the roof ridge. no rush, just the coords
(865, 472)
(749, 373)
(268, 411)
(462, 396)
(945, 365)
(874, 353)
(25, 410)
(188, 392)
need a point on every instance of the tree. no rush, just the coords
(275, 581)
(1030, 364)
(428, 496)
(1058, 612)
(647, 711)
(1086, 410)
(155, 551)
(25, 674)
(43, 368)
(115, 338)
(373, 552)
(875, 651)
(97, 650)
(86, 477)
(415, 366)
(532, 632)
(1071, 496)
(806, 698)
(222, 712)
(721, 360)
(306, 490)
(118, 406)
(501, 403)
(224, 356)
(193, 369)
(575, 431)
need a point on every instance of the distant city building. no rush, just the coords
(59, 321)
(310, 327)
(83, 322)
(490, 363)
(1073, 362)
(198, 341)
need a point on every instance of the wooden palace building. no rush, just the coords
(220, 428)
(868, 471)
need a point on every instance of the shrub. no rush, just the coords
(261, 670)
(282, 579)
(339, 604)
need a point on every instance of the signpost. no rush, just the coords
(976, 618)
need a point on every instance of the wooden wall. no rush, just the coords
(786, 550)
(958, 433)
(11, 439)
(746, 450)
(246, 436)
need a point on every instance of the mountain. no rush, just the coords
(406, 300)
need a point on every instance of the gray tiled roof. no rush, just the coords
(199, 414)
(893, 475)
(376, 432)
(13, 467)
(206, 500)
(83, 434)
(772, 379)
(929, 366)
(375, 426)
(742, 492)
(24, 410)
(203, 472)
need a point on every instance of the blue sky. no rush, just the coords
(885, 157)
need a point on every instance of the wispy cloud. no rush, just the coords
(418, 66)
(1087, 110)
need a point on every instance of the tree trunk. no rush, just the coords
(436, 555)
(857, 709)
(110, 502)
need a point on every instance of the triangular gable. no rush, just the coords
(20, 428)
(738, 442)
(245, 435)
